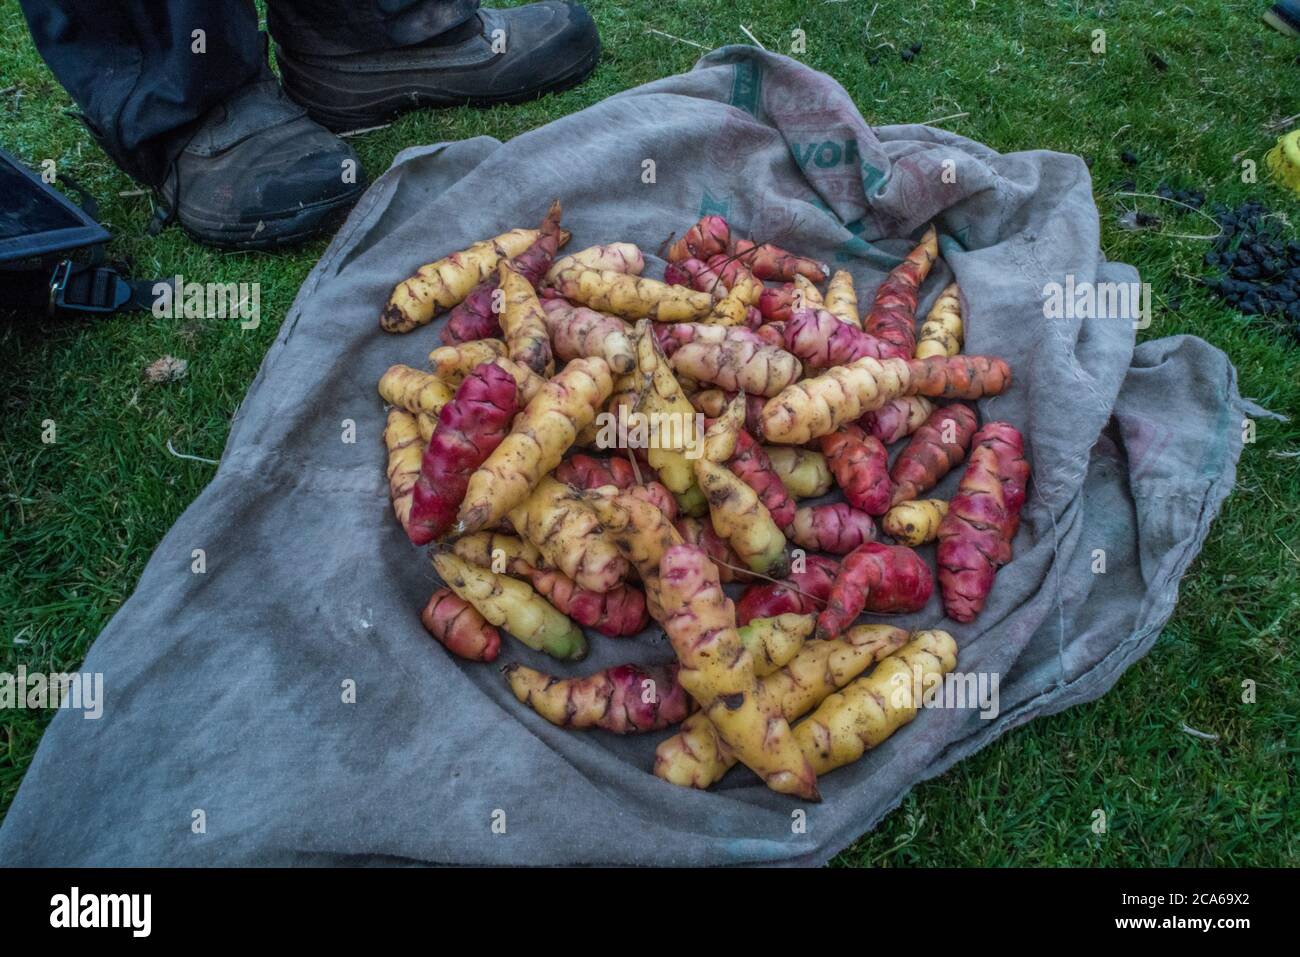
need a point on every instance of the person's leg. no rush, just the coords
(181, 97)
(358, 64)
(132, 68)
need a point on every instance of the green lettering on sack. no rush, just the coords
(746, 85)
(803, 153)
(871, 177)
(710, 205)
(828, 155)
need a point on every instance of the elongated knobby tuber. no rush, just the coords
(842, 299)
(614, 257)
(470, 427)
(617, 613)
(523, 324)
(804, 592)
(459, 628)
(577, 331)
(640, 532)
(893, 313)
(569, 536)
(698, 757)
(771, 334)
(402, 439)
(413, 390)
(710, 236)
(772, 262)
(915, 523)
(751, 465)
(807, 297)
(731, 357)
(452, 363)
(695, 531)
(897, 418)
(739, 516)
(819, 405)
(626, 699)
(513, 605)
(426, 424)
(718, 673)
(864, 714)
(537, 442)
(941, 333)
(697, 275)
(957, 377)
(632, 297)
(935, 449)
(445, 283)
(475, 317)
(975, 536)
(776, 304)
(660, 399)
(735, 509)
(838, 528)
(804, 472)
(733, 308)
(584, 471)
(820, 339)
(712, 401)
(774, 641)
(503, 554)
(860, 465)
(885, 579)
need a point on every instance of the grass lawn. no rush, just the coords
(81, 516)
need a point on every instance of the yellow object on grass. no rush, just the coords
(1283, 161)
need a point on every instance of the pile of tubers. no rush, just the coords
(765, 386)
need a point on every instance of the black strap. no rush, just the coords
(96, 288)
(91, 288)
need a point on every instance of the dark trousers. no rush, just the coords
(133, 69)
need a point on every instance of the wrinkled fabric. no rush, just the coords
(224, 691)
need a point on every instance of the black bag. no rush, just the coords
(52, 251)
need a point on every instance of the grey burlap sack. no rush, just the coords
(224, 690)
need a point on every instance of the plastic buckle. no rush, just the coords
(104, 291)
(58, 283)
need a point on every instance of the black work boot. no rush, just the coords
(259, 173)
(499, 56)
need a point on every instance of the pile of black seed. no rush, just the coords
(1188, 197)
(1257, 269)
